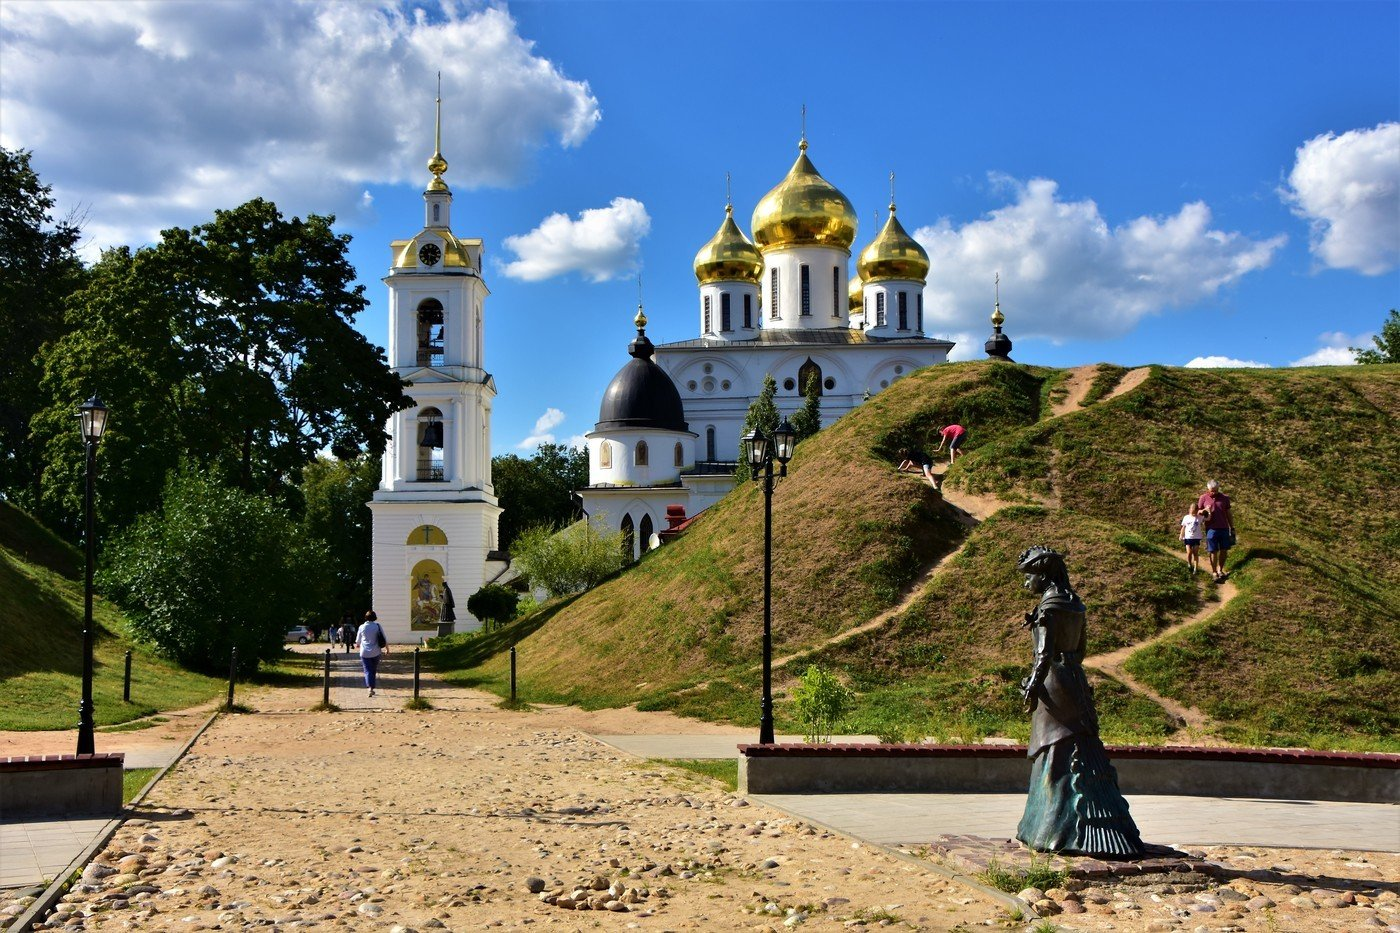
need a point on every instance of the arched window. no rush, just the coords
(879, 309)
(431, 332)
(629, 550)
(710, 443)
(426, 589)
(705, 325)
(724, 318)
(807, 371)
(427, 535)
(640, 456)
(437, 213)
(430, 445)
(644, 533)
(605, 456)
(919, 314)
(836, 291)
(773, 293)
(680, 454)
(748, 310)
(903, 310)
(806, 277)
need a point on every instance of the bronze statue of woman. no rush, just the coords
(1074, 805)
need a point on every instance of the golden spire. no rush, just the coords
(891, 192)
(437, 164)
(641, 319)
(997, 317)
(802, 143)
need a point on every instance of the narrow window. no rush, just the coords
(437, 212)
(680, 455)
(430, 446)
(640, 457)
(879, 309)
(705, 326)
(644, 533)
(903, 310)
(710, 443)
(836, 291)
(919, 314)
(809, 374)
(431, 332)
(628, 544)
(773, 295)
(748, 311)
(806, 291)
(724, 323)
(605, 456)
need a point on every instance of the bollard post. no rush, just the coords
(512, 675)
(326, 685)
(232, 673)
(126, 681)
(415, 673)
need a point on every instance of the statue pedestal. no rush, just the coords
(446, 628)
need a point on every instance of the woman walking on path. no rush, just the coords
(372, 644)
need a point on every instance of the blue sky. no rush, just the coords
(1154, 182)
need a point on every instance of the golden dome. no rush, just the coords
(893, 254)
(804, 210)
(855, 296)
(729, 256)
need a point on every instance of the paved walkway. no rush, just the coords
(36, 852)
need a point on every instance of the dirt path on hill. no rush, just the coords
(1078, 383)
(1130, 381)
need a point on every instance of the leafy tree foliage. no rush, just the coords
(215, 568)
(493, 604)
(538, 490)
(763, 414)
(570, 560)
(231, 345)
(1387, 343)
(808, 420)
(336, 493)
(820, 700)
(38, 271)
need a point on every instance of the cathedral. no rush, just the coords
(782, 304)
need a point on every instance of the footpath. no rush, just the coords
(469, 816)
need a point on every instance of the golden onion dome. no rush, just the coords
(855, 296)
(804, 210)
(893, 254)
(729, 256)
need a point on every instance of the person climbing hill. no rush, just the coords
(913, 460)
(954, 435)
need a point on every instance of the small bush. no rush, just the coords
(821, 700)
(1039, 874)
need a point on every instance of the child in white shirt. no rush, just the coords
(1193, 526)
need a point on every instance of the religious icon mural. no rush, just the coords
(425, 596)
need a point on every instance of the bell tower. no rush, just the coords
(435, 512)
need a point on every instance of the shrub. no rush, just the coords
(492, 604)
(821, 700)
(569, 560)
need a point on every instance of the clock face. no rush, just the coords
(429, 254)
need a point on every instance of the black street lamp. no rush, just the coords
(761, 450)
(94, 420)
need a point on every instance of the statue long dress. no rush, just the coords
(1074, 805)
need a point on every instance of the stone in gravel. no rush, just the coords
(616, 907)
(768, 863)
(1305, 903)
(97, 870)
(1031, 895)
(1259, 903)
(1072, 907)
(1334, 902)
(1045, 906)
(534, 885)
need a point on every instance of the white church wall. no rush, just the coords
(827, 304)
(660, 466)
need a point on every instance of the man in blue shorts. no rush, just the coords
(1220, 528)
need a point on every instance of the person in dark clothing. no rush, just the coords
(449, 605)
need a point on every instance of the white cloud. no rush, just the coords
(1224, 362)
(1348, 189)
(152, 114)
(544, 429)
(603, 243)
(1067, 274)
(1334, 350)
(576, 440)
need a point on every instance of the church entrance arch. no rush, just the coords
(629, 546)
(425, 594)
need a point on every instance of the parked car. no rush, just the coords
(300, 634)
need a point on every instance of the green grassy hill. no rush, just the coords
(41, 631)
(1305, 655)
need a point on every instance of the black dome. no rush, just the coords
(641, 395)
(998, 346)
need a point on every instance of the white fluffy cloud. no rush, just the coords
(1224, 362)
(1066, 273)
(1348, 189)
(544, 429)
(603, 243)
(153, 114)
(1334, 350)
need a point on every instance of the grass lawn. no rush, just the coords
(135, 779)
(723, 770)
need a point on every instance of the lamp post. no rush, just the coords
(93, 415)
(761, 451)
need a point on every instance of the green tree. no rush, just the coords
(493, 604)
(215, 568)
(808, 420)
(336, 495)
(538, 490)
(39, 269)
(1387, 343)
(820, 700)
(231, 345)
(569, 560)
(763, 414)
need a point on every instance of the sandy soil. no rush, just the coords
(1077, 386)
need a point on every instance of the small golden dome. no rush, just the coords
(893, 254)
(804, 210)
(437, 165)
(729, 256)
(998, 318)
(855, 296)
